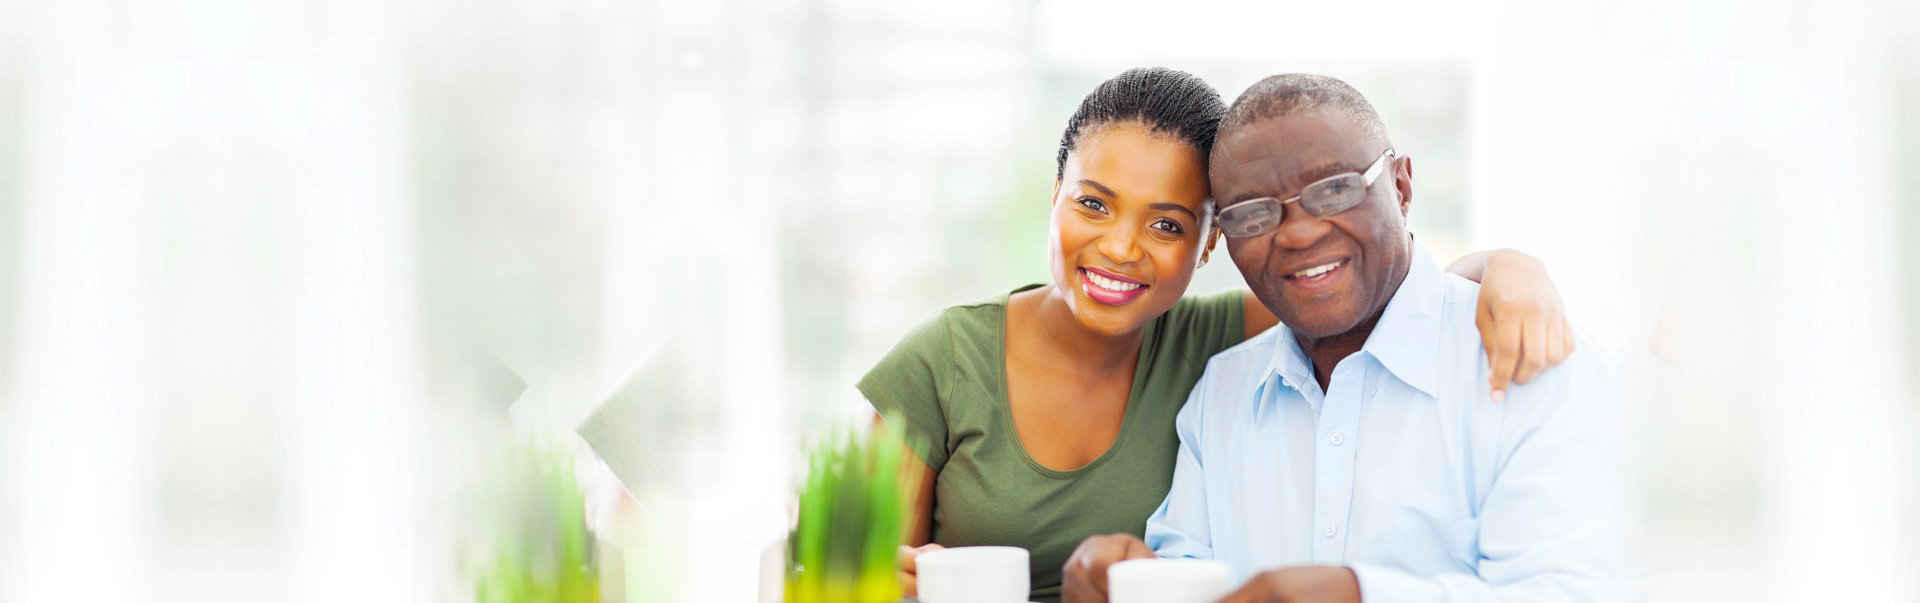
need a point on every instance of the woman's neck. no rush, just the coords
(1061, 337)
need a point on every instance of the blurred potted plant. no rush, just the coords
(851, 522)
(541, 549)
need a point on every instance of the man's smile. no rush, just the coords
(1318, 274)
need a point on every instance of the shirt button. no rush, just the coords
(1330, 531)
(1336, 439)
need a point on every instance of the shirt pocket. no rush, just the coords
(1426, 543)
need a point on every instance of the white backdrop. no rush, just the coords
(247, 250)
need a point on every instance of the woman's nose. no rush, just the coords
(1121, 246)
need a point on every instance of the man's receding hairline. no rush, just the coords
(1291, 93)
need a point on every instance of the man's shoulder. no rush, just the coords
(1585, 368)
(1239, 364)
(1254, 353)
(1583, 374)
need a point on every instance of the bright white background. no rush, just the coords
(272, 271)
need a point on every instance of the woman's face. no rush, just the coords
(1129, 217)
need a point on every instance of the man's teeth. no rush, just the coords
(1316, 270)
(1109, 284)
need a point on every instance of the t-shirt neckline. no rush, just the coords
(1006, 396)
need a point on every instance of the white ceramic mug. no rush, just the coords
(1167, 581)
(973, 574)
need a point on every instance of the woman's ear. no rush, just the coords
(1206, 248)
(1055, 199)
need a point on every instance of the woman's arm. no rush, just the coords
(1522, 322)
(918, 475)
(919, 531)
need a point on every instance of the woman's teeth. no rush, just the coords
(1107, 283)
(1317, 270)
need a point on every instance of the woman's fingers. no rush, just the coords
(1502, 340)
(909, 578)
(909, 584)
(1565, 349)
(1533, 350)
(909, 573)
(905, 558)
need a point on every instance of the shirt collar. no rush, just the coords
(1405, 341)
(1407, 338)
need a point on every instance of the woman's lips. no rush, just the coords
(1109, 291)
(1318, 277)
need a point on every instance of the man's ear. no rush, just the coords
(1403, 182)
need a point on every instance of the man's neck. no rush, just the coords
(1326, 352)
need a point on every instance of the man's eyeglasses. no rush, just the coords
(1330, 195)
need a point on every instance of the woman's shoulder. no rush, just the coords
(959, 327)
(1209, 312)
(1199, 326)
(961, 334)
(935, 361)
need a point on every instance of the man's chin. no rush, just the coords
(1319, 327)
(1317, 319)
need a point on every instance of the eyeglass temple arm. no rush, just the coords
(1378, 165)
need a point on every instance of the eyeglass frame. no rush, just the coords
(1370, 176)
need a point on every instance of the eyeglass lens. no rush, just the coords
(1321, 199)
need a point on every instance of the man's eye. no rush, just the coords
(1093, 204)
(1334, 188)
(1169, 226)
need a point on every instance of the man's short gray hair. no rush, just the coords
(1287, 93)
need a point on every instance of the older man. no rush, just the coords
(1354, 452)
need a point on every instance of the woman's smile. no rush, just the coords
(1110, 288)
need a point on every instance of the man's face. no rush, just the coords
(1322, 276)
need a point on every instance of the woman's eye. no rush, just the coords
(1169, 226)
(1093, 204)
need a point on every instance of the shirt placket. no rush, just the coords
(1333, 462)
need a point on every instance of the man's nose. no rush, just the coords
(1299, 229)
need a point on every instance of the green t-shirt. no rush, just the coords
(945, 386)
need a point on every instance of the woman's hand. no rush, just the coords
(1522, 322)
(909, 573)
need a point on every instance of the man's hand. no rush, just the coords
(909, 573)
(1309, 584)
(1085, 574)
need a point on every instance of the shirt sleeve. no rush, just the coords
(905, 387)
(1551, 525)
(1179, 527)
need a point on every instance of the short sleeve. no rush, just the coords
(1204, 325)
(906, 388)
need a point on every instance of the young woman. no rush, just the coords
(1046, 414)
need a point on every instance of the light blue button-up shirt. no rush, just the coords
(1403, 469)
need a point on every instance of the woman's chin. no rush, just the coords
(1110, 321)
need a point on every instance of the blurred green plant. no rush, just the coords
(852, 520)
(542, 549)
